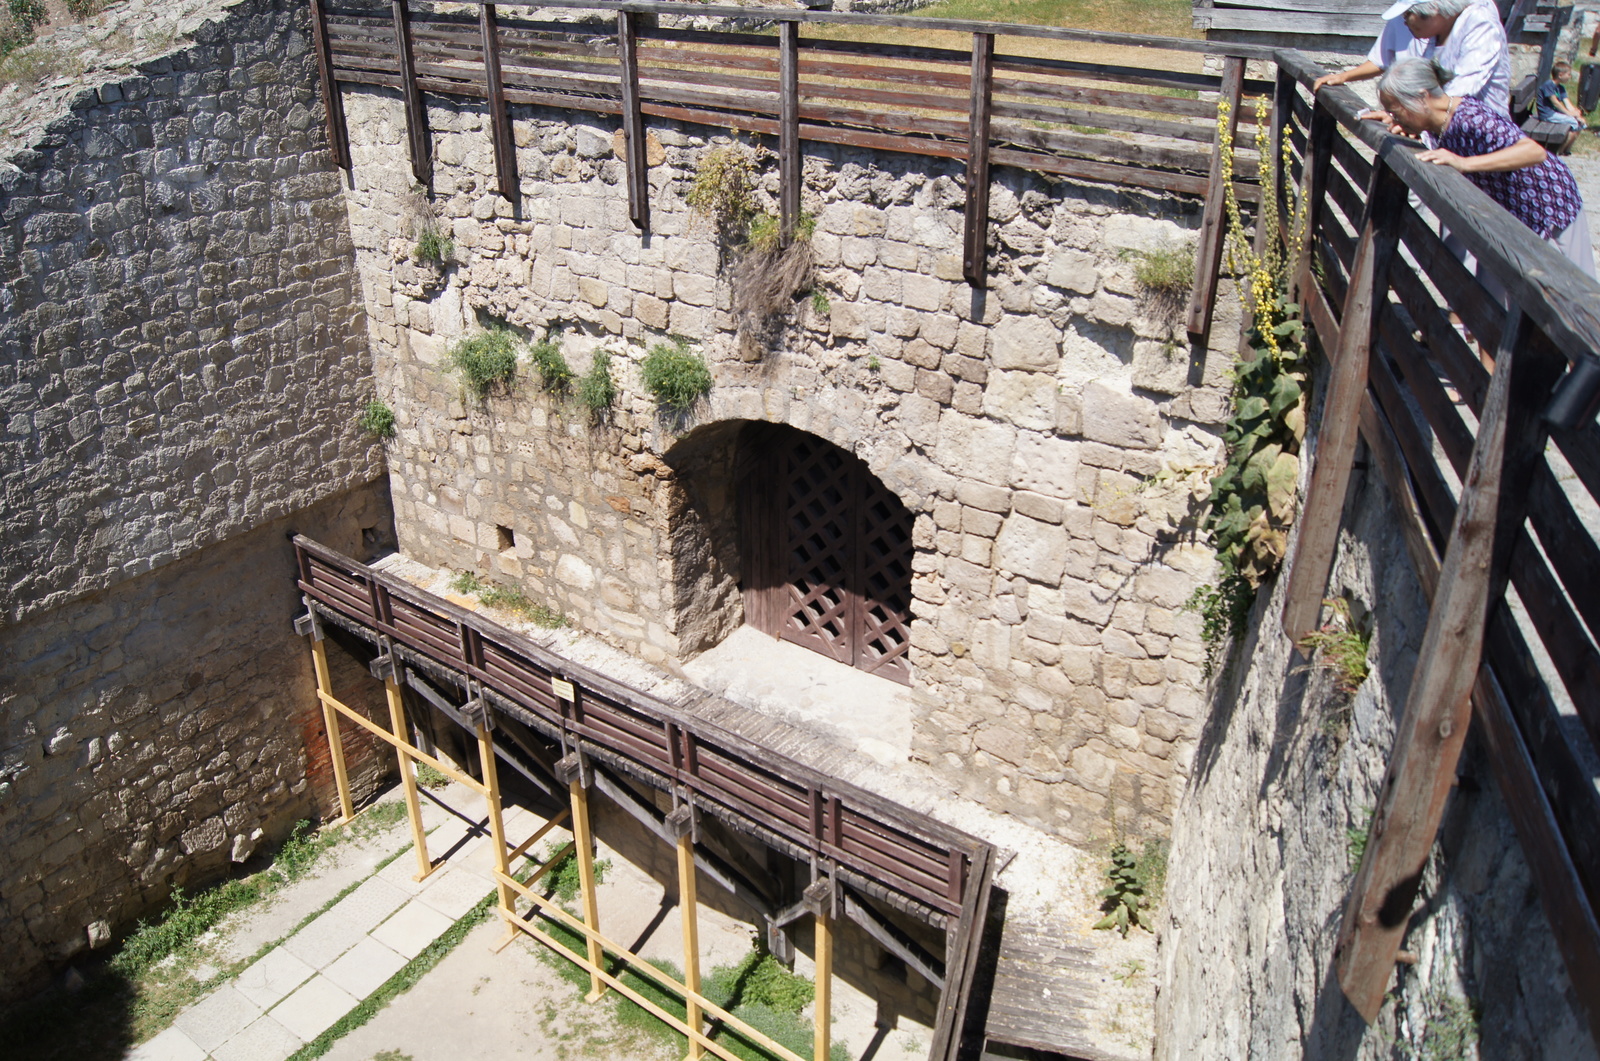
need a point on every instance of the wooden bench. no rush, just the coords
(1550, 135)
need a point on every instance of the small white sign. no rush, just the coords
(564, 690)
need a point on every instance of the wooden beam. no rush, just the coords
(330, 721)
(505, 150)
(497, 826)
(688, 909)
(332, 101)
(1214, 223)
(633, 144)
(975, 231)
(889, 936)
(416, 113)
(408, 779)
(1318, 534)
(584, 838)
(1433, 725)
(788, 127)
(1318, 159)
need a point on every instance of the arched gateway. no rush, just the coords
(825, 550)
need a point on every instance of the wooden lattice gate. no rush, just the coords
(827, 552)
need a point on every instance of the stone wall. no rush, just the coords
(181, 352)
(1056, 675)
(1268, 837)
(182, 357)
(159, 731)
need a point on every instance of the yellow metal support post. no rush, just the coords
(408, 778)
(688, 907)
(330, 720)
(591, 908)
(824, 997)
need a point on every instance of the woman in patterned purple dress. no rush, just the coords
(1488, 148)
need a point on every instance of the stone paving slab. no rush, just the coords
(264, 1040)
(370, 904)
(314, 1008)
(365, 967)
(269, 981)
(454, 891)
(411, 929)
(170, 1045)
(217, 1018)
(320, 943)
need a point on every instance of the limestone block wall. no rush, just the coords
(1266, 842)
(159, 731)
(1056, 674)
(182, 356)
(181, 338)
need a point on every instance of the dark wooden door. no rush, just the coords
(826, 552)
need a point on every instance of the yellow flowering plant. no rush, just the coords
(1253, 497)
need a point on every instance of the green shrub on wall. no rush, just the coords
(377, 419)
(487, 362)
(551, 364)
(597, 390)
(676, 376)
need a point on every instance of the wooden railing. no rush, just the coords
(986, 105)
(1490, 493)
(910, 860)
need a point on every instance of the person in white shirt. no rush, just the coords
(1463, 36)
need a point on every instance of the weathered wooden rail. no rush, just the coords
(1139, 127)
(851, 837)
(1495, 480)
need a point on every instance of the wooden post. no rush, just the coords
(330, 720)
(505, 152)
(1214, 223)
(408, 778)
(823, 1018)
(332, 101)
(788, 128)
(497, 827)
(583, 840)
(1336, 447)
(1433, 725)
(688, 908)
(975, 233)
(633, 121)
(416, 113)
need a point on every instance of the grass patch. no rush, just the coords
(429, 778)
(1168, 272)
(508, 599)
(433, 245)
(487, 362)
(676, 376)
(563, 880)
(1341, 647)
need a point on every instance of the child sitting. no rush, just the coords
(1555, 107)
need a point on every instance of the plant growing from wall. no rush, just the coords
(768, 275)
(433, 245)
(22, 18)
(1254, 497)
(1341, 647)
(508, 599)
(554, 372)
(487, 361)
(1167, 272)
(596, 389)
(1123, 899)
(377, 419)
(675, 376)
(720, 190)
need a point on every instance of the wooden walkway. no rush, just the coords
(1046, 993)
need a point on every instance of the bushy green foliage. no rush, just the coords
(720, 189)
(554, 372)
(190, 917)
(433, 245)
(760, 980)
(596, 389)
(487, 361)
(819, 303)
(676, 376)
(377, 419)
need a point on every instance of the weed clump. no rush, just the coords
(1167, 272)
(676, 376)
(508, 599)
(720, 190)
(433, 245)
(554, 372)
(596, 389)
(1341, 647)
(1135, 886)
(487, 361)
(564, 880)
(377, 419)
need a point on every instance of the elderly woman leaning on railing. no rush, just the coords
(1465, 36)
(1487, 147)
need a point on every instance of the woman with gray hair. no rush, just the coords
(1486, 146)
(1463, 35)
